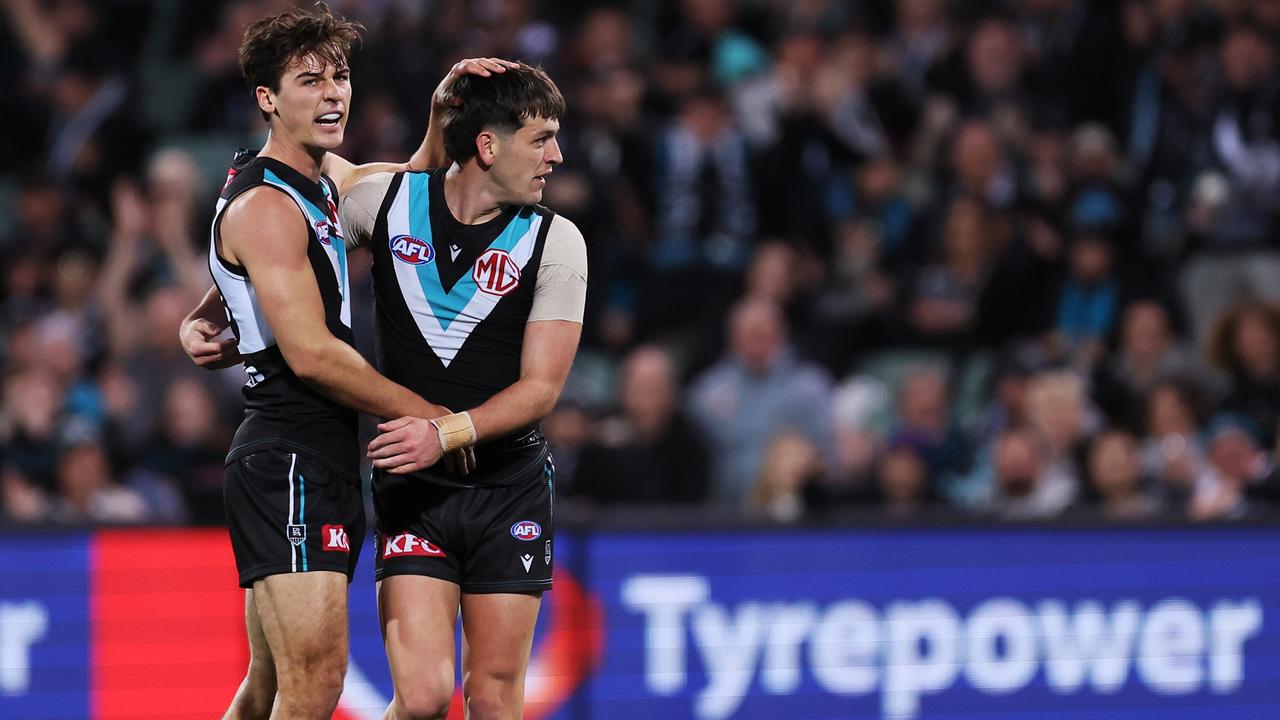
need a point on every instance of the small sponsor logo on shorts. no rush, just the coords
(297, 534)
(528, 561)
(335, 538)
(547, 557)
(526, 530)
(407, 545)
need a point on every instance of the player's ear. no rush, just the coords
(266, 99)
(486, 146)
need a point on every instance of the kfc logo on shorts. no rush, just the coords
(409, 545)
(496, 273)
(412, 250)
(297, 534)
(335, 538)
(526, 530)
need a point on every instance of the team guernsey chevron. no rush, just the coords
(453, 301)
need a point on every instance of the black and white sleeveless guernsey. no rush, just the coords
(280, 410)
(452, 303)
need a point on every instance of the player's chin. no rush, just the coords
(328, 138)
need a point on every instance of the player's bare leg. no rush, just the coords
(257, 693)
(304, 620)
(418, 617)
(497, 639)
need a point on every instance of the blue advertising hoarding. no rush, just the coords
(1012, 622)
(1017, 623)
(44, 627)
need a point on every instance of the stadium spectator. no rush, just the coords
(1246, 346)
(903, 484)
(758, 388)
(1235, 463)
(1115, 476)
(87, 490)
(1173, 452)
(1147, 352)
(1028, 484)
(649, 452)
(792, 465)
(1238, 254)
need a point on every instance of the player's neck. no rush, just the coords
(468, 196)
(305, 160)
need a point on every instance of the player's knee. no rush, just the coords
(494, 695)
(425, 697)
(423, 704)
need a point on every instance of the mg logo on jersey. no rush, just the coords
(526, 530)
(335, 538)
(408, 544)
(496, 273)
(412, 250)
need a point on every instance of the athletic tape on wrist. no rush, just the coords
(455, 430)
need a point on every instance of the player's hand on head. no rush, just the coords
(199, 338)
(405, 445)
(484, 67)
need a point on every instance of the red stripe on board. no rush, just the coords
(168, 637)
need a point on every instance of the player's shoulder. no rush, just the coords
(560, 227)
(261, 206)
(370, 190)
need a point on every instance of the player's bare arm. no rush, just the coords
(281, 275)
(199, 333)
(545, 360)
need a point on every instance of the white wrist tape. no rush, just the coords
(455, 430)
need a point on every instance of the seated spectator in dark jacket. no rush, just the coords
(902, 478)
(649, 453)
(1147, 352)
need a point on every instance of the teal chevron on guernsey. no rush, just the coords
(447, 318)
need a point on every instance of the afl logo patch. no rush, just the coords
(496, 273)
(526, 530)
(412, 250)
(323, 231)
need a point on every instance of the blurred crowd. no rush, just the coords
(1016, 260)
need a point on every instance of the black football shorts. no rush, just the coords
(487, 539)
(288, 512)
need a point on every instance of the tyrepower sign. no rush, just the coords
(896, 625)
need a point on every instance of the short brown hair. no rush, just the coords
(502, 101)
(274, 43)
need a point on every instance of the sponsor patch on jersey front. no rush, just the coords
(412, 250)
(496, 272)
(409, 545)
